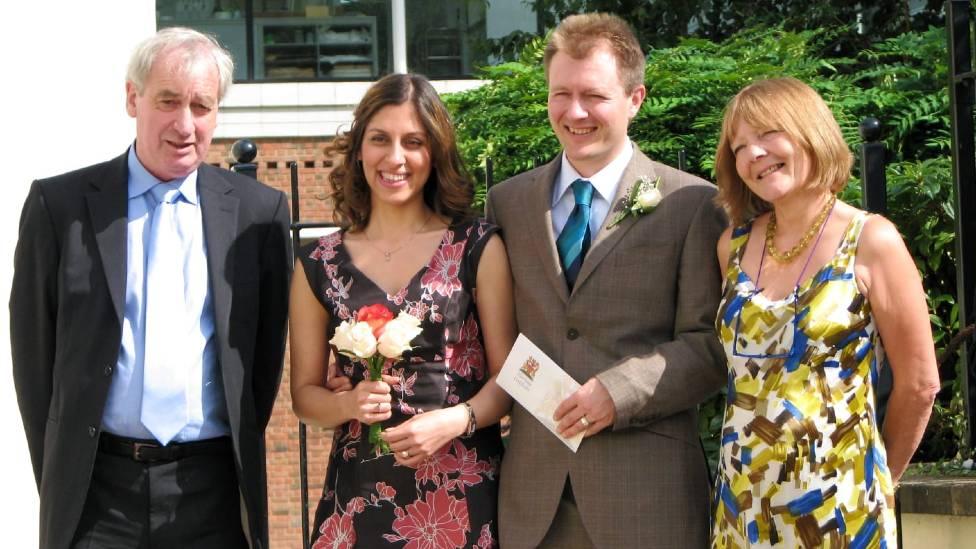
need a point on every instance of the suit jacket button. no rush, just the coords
(108, 371)
(572, 334)
(92, 431)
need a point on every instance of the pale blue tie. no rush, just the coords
(165, 409)
(574, 241)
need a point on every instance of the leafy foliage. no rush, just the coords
(899, 80)
(660, 23)
(506, 119)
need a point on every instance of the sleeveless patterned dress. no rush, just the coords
(802, 460)
(450, 500)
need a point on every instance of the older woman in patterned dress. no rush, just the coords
(816, 293)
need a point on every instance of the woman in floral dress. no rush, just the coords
(409, 243)
(812, 288)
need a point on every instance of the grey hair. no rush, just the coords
(193, 46)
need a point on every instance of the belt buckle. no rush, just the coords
(137, 450)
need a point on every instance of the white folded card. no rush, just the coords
(538, 384)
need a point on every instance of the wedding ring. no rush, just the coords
(585, 422)
(405, 454)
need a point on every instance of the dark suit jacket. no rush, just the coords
(640, 319)
(66, 310)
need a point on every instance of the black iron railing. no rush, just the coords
(962, 96)
(244, 152)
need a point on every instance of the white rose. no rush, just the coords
(397, 335)
(341, 339)
(355, 339)
(649, 198)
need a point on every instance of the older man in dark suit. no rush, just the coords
(148, 325)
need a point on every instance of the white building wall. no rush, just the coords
(62, 106)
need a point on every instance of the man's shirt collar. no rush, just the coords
(140, 180)
(604, 181)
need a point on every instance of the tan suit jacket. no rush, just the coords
(640, 318)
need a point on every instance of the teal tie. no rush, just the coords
(574, 241)
(164, 399)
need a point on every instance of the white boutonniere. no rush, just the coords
(643, 197)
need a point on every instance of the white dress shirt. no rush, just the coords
(604, 183)
(205, 391)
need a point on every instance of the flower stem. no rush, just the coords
(375, 367)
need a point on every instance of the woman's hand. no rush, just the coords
(416, 439)
(370, 401)
(339, 384)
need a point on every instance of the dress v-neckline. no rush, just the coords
(406, 287)
(807, 282)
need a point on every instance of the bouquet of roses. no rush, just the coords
(376, 337)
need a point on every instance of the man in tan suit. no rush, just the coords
(625, 308)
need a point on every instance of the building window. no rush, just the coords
(223, 19)
(343, 40)
(446, 38)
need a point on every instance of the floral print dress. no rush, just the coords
(802, 460)
(450, 500)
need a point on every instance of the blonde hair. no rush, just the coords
(790, 106)
(578, 35)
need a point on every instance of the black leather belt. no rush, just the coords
(150, 451)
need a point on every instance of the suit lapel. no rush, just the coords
(108, 208)
(540, 223)
(219, 209)
(607, 238)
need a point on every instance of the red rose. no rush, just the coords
(376, 316)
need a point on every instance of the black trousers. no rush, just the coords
(190, 503)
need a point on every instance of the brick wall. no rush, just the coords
(284, 488)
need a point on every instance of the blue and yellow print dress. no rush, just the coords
(802, 460)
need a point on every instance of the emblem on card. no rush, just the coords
(529, 368)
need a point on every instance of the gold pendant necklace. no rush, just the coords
(388, 254)
(791, 254)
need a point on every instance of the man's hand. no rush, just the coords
(591, 401)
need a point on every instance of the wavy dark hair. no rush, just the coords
(448, 191)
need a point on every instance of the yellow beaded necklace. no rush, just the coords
(791, 254)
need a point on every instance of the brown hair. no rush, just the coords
(448, 191)
(790, 106)
(578, 35)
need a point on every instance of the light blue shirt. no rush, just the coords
(205, 390)
(605, 183)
